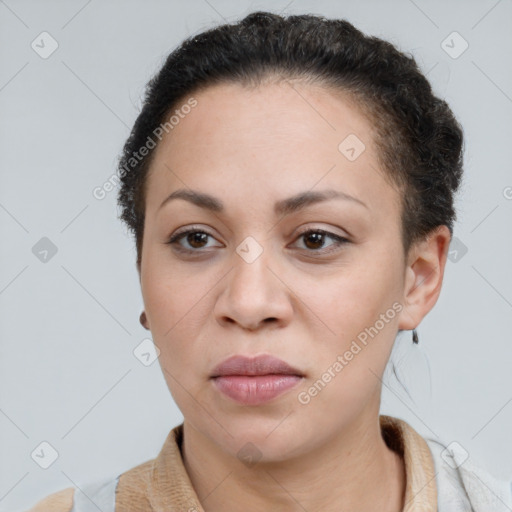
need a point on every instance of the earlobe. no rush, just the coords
(424, 277)
(143, 320)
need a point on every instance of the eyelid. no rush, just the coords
(328, 231)
(186, 229)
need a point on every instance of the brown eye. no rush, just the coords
(195, 239)
(314, 240)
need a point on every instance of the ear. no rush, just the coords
(424, 276)
(144, 321)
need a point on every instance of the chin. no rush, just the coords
(268, 439)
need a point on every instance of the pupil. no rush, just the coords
(194, 238)
(319, 237)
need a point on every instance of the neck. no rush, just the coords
(355, 470)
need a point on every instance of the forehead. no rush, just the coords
(271, 115)
(273, 140)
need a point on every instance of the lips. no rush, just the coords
(254, 380)
(251, 366)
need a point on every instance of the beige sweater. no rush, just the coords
(162, 484)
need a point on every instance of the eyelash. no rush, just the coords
(339, 240)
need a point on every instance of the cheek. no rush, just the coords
(348, 366)
(170, 292)
(349, 299)
(167, 301)
(178, 306)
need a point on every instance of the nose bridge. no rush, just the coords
(253, 293)
(250, 277)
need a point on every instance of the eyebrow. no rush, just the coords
(282, 207)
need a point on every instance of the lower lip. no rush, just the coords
(257, 389)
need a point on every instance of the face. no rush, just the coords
(315, 283)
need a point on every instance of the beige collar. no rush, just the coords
(163, 485)
(420, 475)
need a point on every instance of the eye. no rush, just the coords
(315, 240)
(196, 238)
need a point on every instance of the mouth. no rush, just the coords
(254, 380)
(254, 366)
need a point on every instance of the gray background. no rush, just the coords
(69, 325)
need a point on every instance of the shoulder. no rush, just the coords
(61, 501)
(463, 485)
(121, 492)
(100, 492)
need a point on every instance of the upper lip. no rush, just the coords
(259, 365)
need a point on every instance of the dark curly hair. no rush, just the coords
(419, 141)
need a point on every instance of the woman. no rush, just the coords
(290, 184)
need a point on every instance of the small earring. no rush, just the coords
(143, 320)
(415, 336)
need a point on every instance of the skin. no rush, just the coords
(250, 148)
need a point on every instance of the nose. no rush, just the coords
(254, 295)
